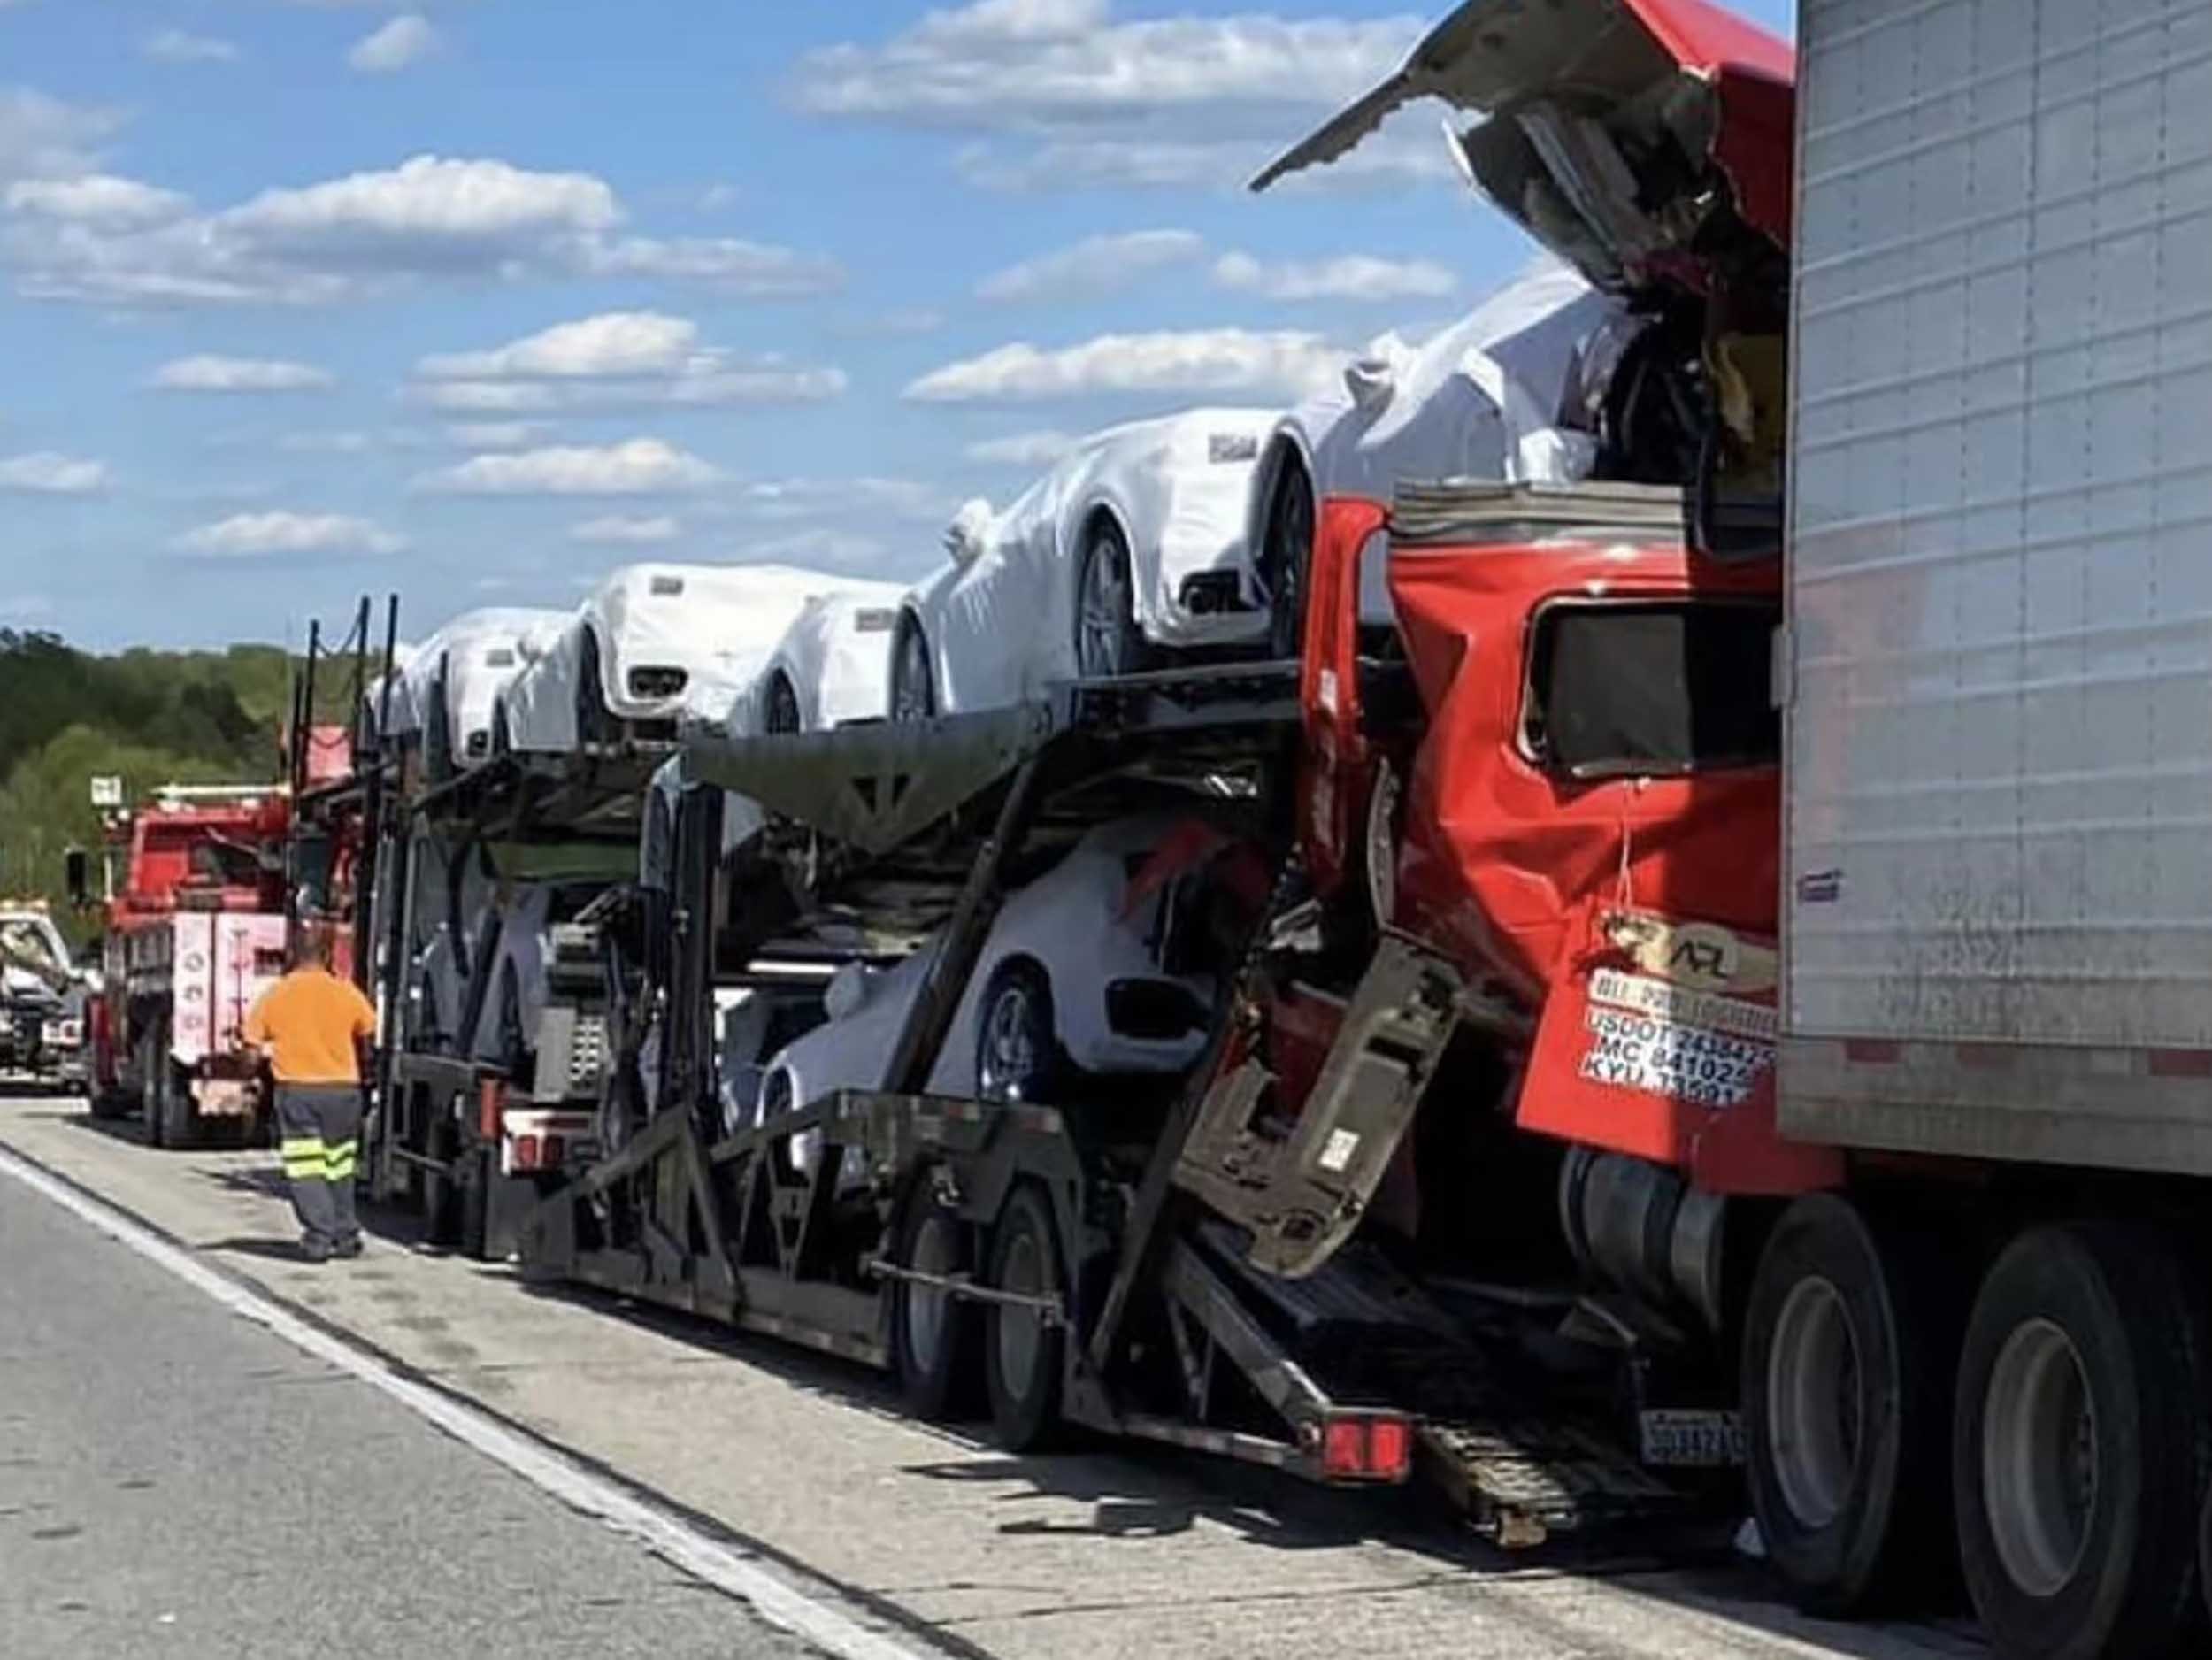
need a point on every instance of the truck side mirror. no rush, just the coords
(77, 866)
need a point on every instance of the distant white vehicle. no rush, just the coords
(832, 666)
(1135, 540)
(654, 643)
(1104, 965)
(449, 686)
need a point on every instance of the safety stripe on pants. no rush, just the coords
(341, 1159)
(303, 1155)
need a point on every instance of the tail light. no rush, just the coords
(1366, 1447)
(491, 1102)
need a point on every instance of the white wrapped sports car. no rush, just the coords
(1134, 540)
(653, 643)
(1107, 964)
(832, 666)
(445, 694)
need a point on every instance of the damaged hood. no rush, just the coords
(1616, 132)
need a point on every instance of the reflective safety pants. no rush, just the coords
(319, 1127)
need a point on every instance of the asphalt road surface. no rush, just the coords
(171, 1478)
(175, 1482)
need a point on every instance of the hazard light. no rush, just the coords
(1366, 1449)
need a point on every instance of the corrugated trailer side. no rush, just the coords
(1998, 660)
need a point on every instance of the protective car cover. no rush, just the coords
(1000, 621)
(478, 653)
(832, 665)
(714, 625)
(1084, 923)
(1500, 395)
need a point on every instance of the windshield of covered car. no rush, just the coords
(1646, 688)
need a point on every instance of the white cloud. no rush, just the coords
(43, 137)
(495, 434)
(620, 531)
(26, 607)
(729, 264)
(175, 46)
(1022, 449)
(328, 443)
(407, 39)
(1395, 159)
(1031, 63)
(613, 343)
(1350, 277)
(616, 360)
(642, 466)
(430, 219)
(43, 472)
(842, 550)
(269, 535)
(1095, 265)
(208, 373)
(814, 498)
(1280, 363)
(96, 198)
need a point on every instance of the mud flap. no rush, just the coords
(1300, 1191)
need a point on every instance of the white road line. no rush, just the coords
(664, 1535)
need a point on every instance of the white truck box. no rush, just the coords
(1998, 663)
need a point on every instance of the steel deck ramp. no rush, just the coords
(1366, 1336)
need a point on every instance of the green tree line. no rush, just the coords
(150, 718)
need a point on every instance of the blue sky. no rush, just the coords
(475, 299)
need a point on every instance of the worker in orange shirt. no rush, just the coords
(312, 1027)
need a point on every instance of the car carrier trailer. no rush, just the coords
(466, 1132)
(1056, 1260)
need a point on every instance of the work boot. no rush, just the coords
(315, 1251)
(349, 1247)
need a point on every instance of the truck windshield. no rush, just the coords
(1652, 687)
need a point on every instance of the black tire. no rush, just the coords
(1849, 1343)
(2084, 1374)
(1108, 642)
(936, 1339)
(1017, 1042)
(782, 714)
(1286, 555)
(153, 1066)
(1023, 1355)
(514, 1043)
(594, 722)
(179, 1113)
(913, 684)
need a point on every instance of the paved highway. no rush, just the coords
(176, 1481)
(169, 1472)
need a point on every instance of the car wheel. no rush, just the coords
(593, 723)
(1108, 640)
(934, 1334)
(913, 688)
(1022, 1349)
(1287, 554)
(1017, 1052)
(782, 713)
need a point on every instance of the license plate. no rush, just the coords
(1691, 1440)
